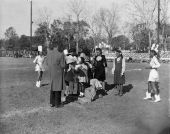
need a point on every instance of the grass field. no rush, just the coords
(24, 109)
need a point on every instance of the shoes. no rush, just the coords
(59, 106)
(157, 98)
(38, 83)
(148, 96)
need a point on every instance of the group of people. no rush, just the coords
(78, 73)
(75, 74)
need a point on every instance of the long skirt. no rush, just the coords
(55, 98)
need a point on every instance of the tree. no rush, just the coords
(164, 21)
(77, 7)
(69, 32)
(42, 32)
(58, 36)
(10, 33)
(24, 42)
(11, 38)
(96, 29)
(140, 37)
(2, 43)
(144, 12)
(120, 41)
(108, 20)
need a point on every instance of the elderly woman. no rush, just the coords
(56, 64)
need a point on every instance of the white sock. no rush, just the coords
(36, 83)
(157, 98)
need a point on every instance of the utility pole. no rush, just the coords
(158, 27)
(31, 25)
(78, 35)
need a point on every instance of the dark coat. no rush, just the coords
(99, 68)
(56, 64)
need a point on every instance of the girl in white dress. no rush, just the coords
(153, 77)
(39, 61)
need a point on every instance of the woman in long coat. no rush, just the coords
(100, 65)
(56, 64)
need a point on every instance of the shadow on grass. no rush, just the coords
(71, 98)
(109, 86)
(127, 88)
(45, 84)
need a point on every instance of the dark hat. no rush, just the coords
(117, 50)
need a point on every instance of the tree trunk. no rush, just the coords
(77, 44)
(163, 37)
(149, 41)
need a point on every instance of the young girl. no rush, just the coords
(118, 71)
(70, 75)
(81, 70)
(100, 65)
(153, 78)
(69, 69)
(39, 60)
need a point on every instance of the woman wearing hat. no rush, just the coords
(100, 65)
(118, 71)
(70, 74)
(40, 68)
(153, 77)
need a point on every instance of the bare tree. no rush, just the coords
(164, 20)
(95, 28)
(144, 12)
(77, 7)
(108, 20)
(44, 20)
(164, 11)
(44, 16)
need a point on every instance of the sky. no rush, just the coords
(16, 13)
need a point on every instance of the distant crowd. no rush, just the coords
(19, 54)
(129, 56)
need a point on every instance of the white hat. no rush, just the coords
(70, 59)
(40, 48)
(155, 47)
(65, 52)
